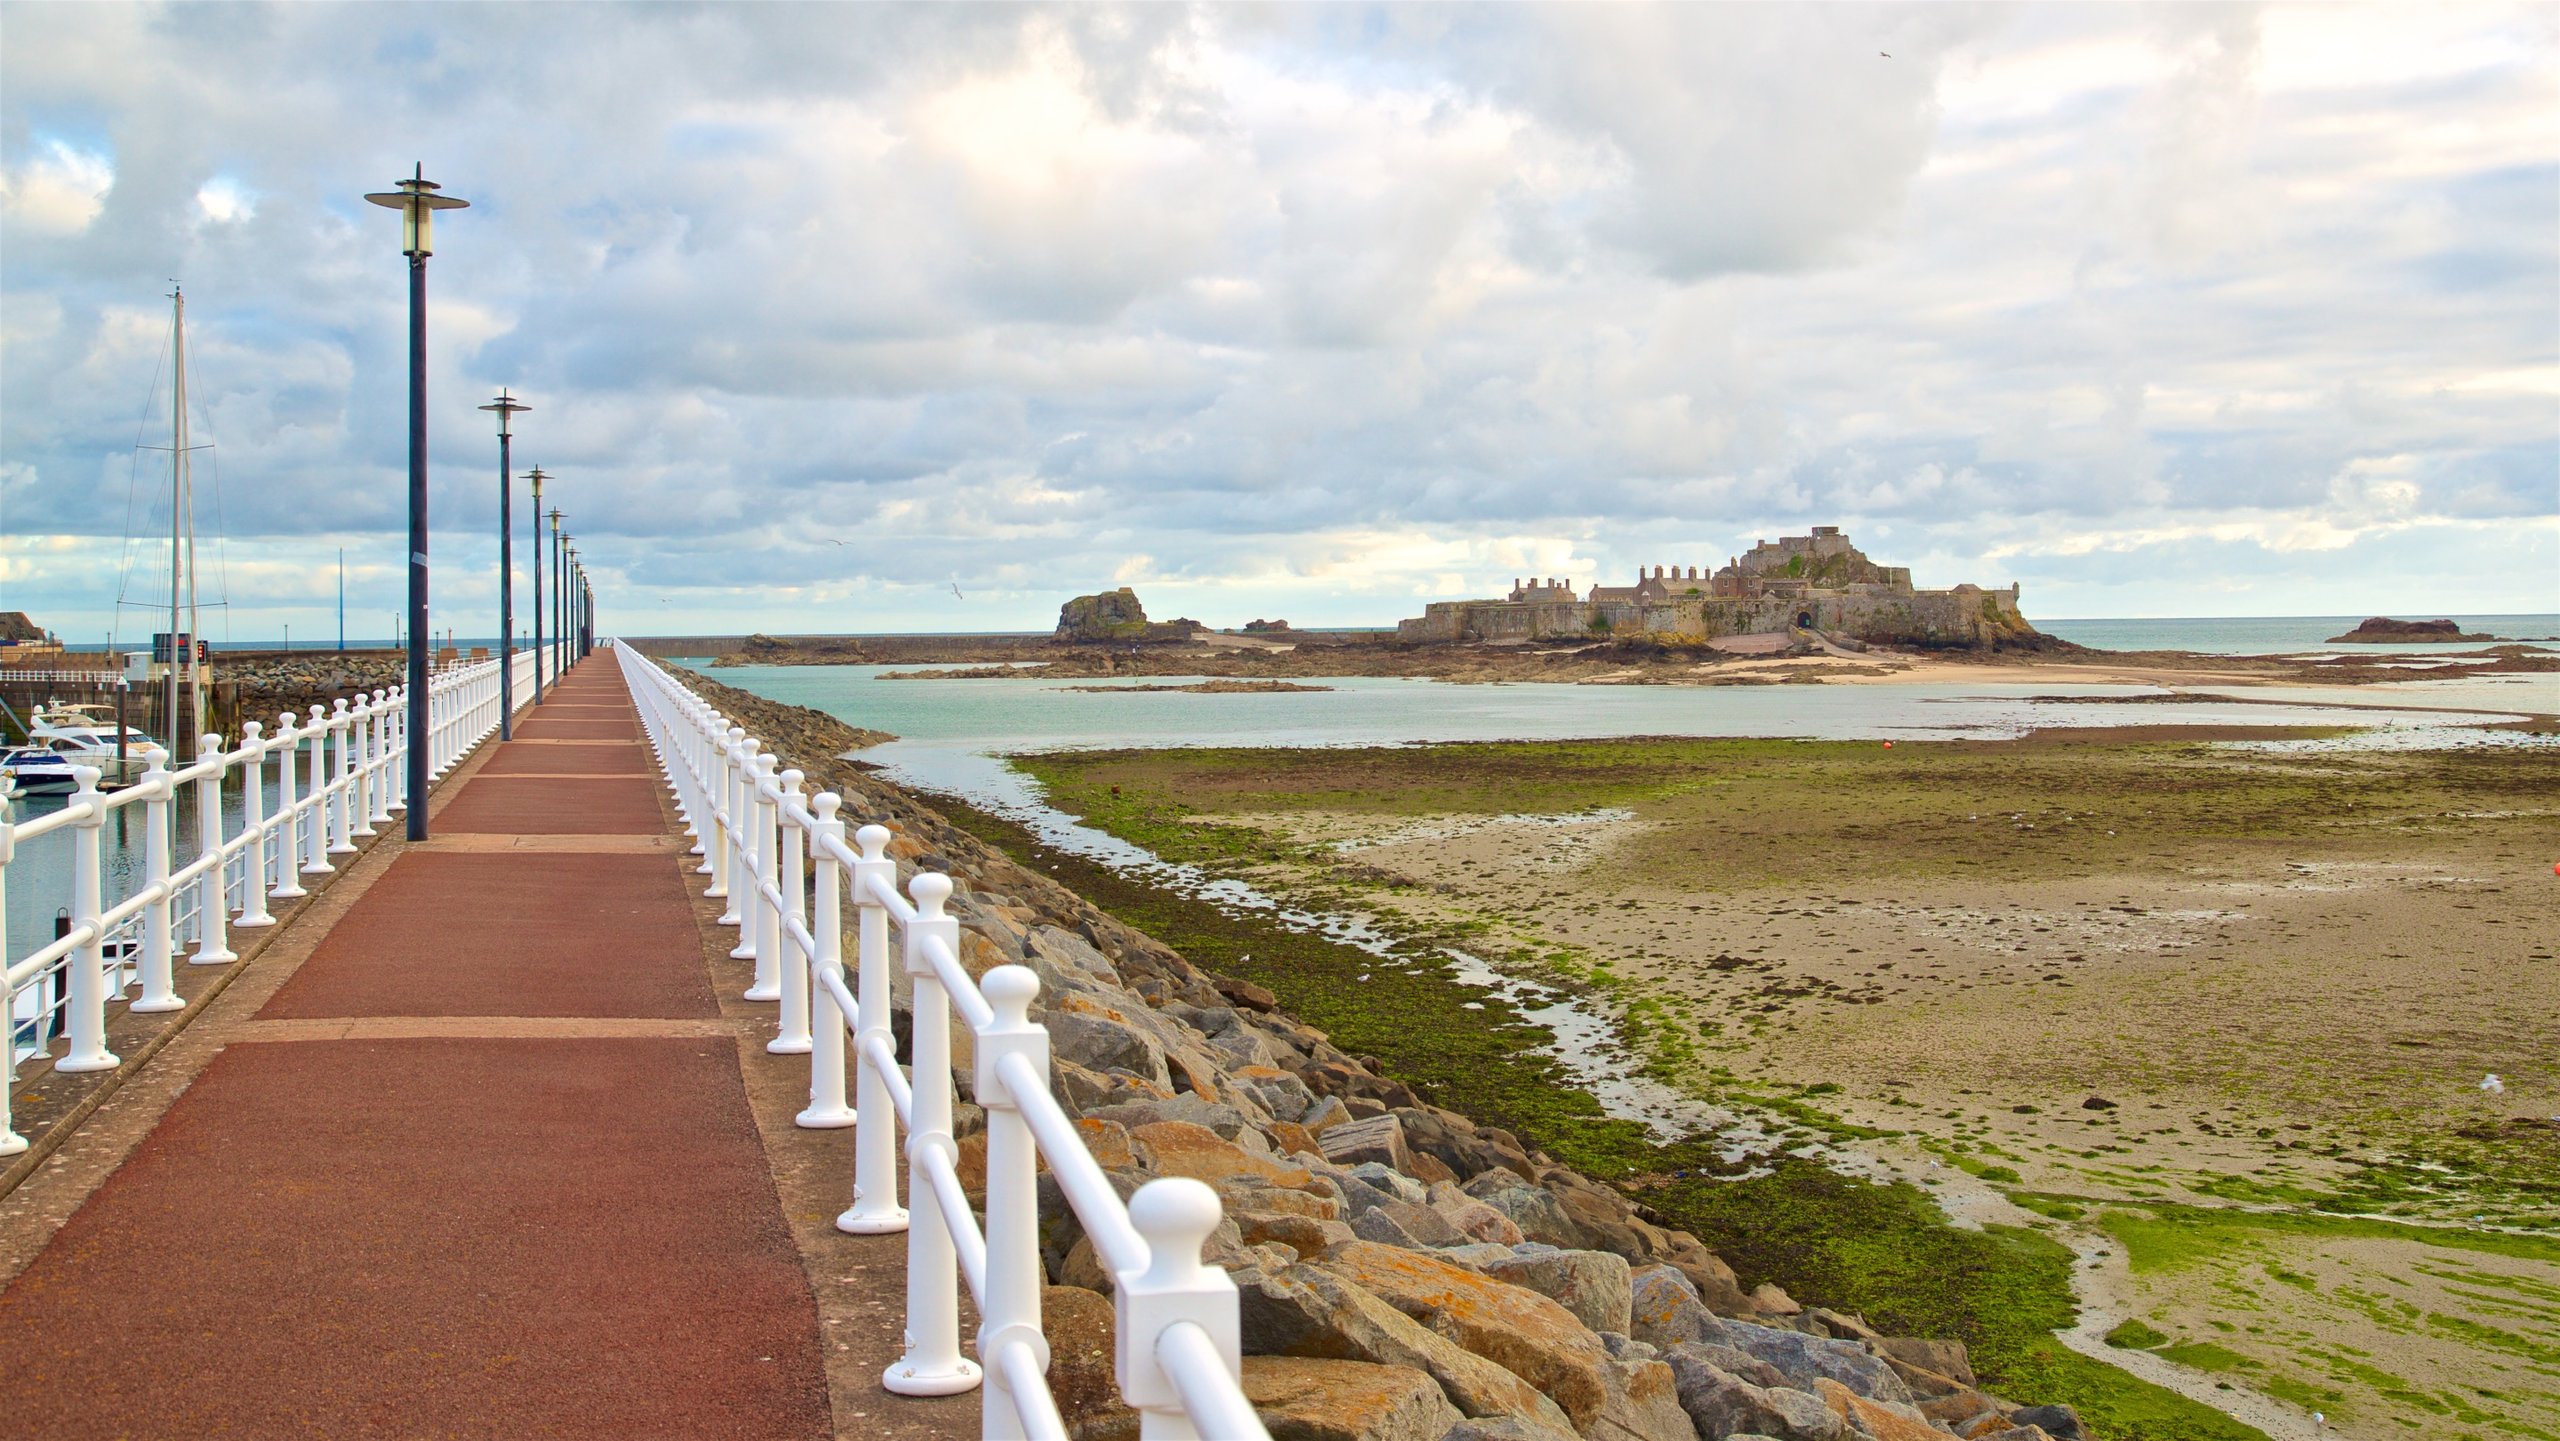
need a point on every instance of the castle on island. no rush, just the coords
(1818, 582)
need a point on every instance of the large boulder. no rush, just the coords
(1307, 1399)
(1308, 1311)
(1183, 1149)
(1664, 1310)
(1082, 1339)
(1511, 1326)
(1722, 1405)
(1805, 1360)
(1881, 1420)
(1100, 1042)
(1643, 1404)
(1593, 1285)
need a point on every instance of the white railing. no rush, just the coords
(337, 774)
(759, 836)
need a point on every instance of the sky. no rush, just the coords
(846, 318)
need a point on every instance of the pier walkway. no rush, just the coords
(469, 1151)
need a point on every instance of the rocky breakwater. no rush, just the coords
(257, 686)
(1405, 1274)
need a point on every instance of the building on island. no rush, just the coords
(1818, 582)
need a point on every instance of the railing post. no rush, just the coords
(827, 1109)
(749, 836)
(288, 813)
(253, 825)
(766, 933)
(86, 1021)
(315, 803)
(355, 761)
(213, 898)
(345, 817)
(1175, 1214)
(727, 879)
(875, 1210)
(932, 1365)
(159, 941)
(386, 726)
(1010, 1315)
(395, 725)
(792, 1036)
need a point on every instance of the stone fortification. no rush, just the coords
(1818, 582)
(1405, 1273)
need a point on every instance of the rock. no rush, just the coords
(1279, 1092)
(1505, 1428)
(1966, 1411)
(1401, 1223)
(1594, 1285)
(1099, 1043)
(1109, 1142)
(1116, 615)
(1379, 1139)
(1740, 1363)
(1252, 1193)
(2097, 1103)
(1664, 1310)
(1323, 1114)
(1308, 1311)
(1245, 994)
(1226, 1121)
(1804, 1359)
(2015, 1433)
(1771, 1299)
(1643, 1404)
(1529, 1206)
(1515, 1328)
(1306, 1235)
(1183, 1149)
(2060, 1422)
(1393, 1184)
(1082, 1337)
(1723, 1405)
(1304, 1398)
(1878, 1419)
(1941, 1361)
(1472, 1216)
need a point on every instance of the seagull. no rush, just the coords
(2491, 1084)
(955, 589)
(831, 540)
(1888, 57)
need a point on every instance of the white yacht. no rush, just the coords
(62, 736)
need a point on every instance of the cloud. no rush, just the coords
(1308, 311)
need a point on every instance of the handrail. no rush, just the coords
(334, 770)
(781, 861)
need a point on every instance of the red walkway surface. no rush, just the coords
(447, 1233)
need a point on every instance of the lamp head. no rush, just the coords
(507, 407)
(537, 477)
(417, 201)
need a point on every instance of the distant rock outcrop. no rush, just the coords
(1266, 627)
(2383, 630)
(1116, 616)
(17, 628)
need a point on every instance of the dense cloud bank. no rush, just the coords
(1301, 310)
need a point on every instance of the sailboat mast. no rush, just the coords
(177, 497)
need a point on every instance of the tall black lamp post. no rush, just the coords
(507, 407)
(537, 477)
(559, 589)
(417, 201)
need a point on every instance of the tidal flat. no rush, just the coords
(2088, 989)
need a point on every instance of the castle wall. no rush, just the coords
(1966, 615)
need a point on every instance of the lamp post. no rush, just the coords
(537, 477)
(417, 201)
(559, 592)
(507, 407)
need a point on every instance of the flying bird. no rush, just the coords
(955, 589)
(1886, 56)
(831, 540)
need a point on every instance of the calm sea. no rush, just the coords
(2278, 634)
